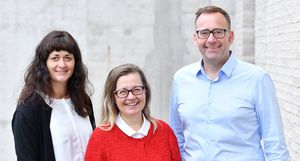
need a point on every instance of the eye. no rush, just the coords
(205, 32)
(218, 32)
(136, 90)
(68, 58)
(122, 92)
(54, 58)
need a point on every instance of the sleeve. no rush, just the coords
(25, 136)
(175, 121)
(270, 122)
(95, 150)
(174, 146)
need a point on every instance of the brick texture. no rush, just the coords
(277, 41)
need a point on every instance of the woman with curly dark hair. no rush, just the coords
(54, 116)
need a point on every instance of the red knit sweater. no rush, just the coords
(114, 145)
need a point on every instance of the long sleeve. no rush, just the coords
(270, 122)
(234, 116)
(94, 151)
(174, 147)
(25, 136)
(175, 120)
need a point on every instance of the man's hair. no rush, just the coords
(213, 9)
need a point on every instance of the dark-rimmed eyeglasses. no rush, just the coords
(122, 93)
(217, 33)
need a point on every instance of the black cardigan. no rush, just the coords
(31, 129)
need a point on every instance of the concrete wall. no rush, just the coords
(157, 36)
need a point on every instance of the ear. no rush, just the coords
(195, 39)
(231, 37)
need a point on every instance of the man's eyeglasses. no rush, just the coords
(122, 93)
(217, 33)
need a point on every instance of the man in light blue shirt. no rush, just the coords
(223, 109)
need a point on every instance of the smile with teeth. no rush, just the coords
(131, 103)
(212, 47)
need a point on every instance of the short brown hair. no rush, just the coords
(213, 9)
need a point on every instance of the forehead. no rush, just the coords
(129, 80)
(60, 53)
(211, 21)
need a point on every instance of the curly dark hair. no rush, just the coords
(37, 77)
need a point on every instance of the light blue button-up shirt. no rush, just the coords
(228, 118)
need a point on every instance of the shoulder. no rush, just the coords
(34, 104)
(161, 125)
(103, 136)
(97, 132)
(248, 67)
(26, 110)
(26, 116)
(103, 131)
(188, 70)
(250, 71)
(34, 109)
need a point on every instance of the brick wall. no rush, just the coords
(244, 30)
(277, 49)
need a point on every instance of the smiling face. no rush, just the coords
(132, 105)
(213, 50)
(60, 65)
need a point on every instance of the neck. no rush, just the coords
(212, 68)
(60, 91)
(134, 122)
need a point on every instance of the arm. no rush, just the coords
(174, 147)
(175, 121)
(94, 151)
(25, 135)
(270, 122)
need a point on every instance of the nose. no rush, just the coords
(61, 63)
(130, 95)
(211, 38)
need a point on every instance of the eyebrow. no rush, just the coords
(69, 54)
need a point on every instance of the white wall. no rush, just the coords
(277, 42)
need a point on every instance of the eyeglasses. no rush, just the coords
(122, 93)
(217, 33)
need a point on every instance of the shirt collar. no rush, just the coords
(129, 131)
(227, 68)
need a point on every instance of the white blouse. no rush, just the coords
(142, 132)
(70, 132)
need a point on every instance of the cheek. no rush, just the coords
(72, 66)
(198, 42)
(143, 98)
(48, 66)
(118, 101)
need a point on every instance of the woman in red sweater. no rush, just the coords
(127, 132)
